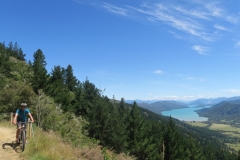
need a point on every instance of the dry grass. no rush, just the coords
(49, 146)
(5, 123)
(90, 153)
(223, 127)
(198, 124)
(236, 147)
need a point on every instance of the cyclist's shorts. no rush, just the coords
(20, 123)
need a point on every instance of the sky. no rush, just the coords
(148, 50)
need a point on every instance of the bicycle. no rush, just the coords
(22, 136)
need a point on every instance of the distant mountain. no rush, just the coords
(213, 101)
(141, 101)
(161, 106)
(226, 110)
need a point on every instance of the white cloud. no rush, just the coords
(157, 72)
(235, 91)
(115, 9)
(166, 14)
(188, 98)
(193, 19)
(195, 79)
(214, 10)
(195, 13)
(232, 19)
(238, 44)
(166, 98)
(221, 28)
(172, 97)
(199, 49)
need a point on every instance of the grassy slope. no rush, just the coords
(49, 146)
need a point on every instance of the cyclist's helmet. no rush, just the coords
(24, 104)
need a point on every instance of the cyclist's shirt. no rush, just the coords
(22, 115)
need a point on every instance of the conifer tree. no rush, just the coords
(137, 127)
(89, 97)
(5, 64)
(39, 80)
(58, 90)
(238, 158)
(15, 51)
(77, 105)
(70, 80)
(99, 126)
(174, 148)
(193, 150)
(119, 138)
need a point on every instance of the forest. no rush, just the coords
(228, 111)
(58, 101)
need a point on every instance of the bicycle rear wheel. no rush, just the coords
(23, 138)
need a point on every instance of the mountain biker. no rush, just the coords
(21, 117)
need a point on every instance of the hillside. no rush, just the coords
(161, 106)
(227, 110)
(80, 115)
(40, 143)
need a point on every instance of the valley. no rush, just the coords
(233, 133)
(219, 114)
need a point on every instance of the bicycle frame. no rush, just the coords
(22, 136)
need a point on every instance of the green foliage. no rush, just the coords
(70, 80)
(228, 110)
(83, 116)
(13, 94)
(22, 75)
(15, 51)
(40, 77)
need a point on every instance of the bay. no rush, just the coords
(186, 114)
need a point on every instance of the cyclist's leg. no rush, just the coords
(18, 130)
(26, 125)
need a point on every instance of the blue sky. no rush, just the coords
(178, 50)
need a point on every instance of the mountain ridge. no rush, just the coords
(161, 106)
(228, 110)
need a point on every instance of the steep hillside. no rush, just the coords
(227, 110)
(80, 114)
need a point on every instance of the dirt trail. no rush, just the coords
(8, 149)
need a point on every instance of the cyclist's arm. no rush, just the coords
(15, 118)
(30, 115)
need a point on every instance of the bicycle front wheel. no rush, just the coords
(23, 137)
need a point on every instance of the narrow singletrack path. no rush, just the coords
(9, 150)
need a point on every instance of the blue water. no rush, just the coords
(185, 114)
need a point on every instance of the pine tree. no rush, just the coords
(238, 158)
(136, 129)
(58, 90)
(15, 51)
(89, 97)
(174, 148)
(5, 64)
(99, 126)
(39, 80)
(119, 138)
(70, 80)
